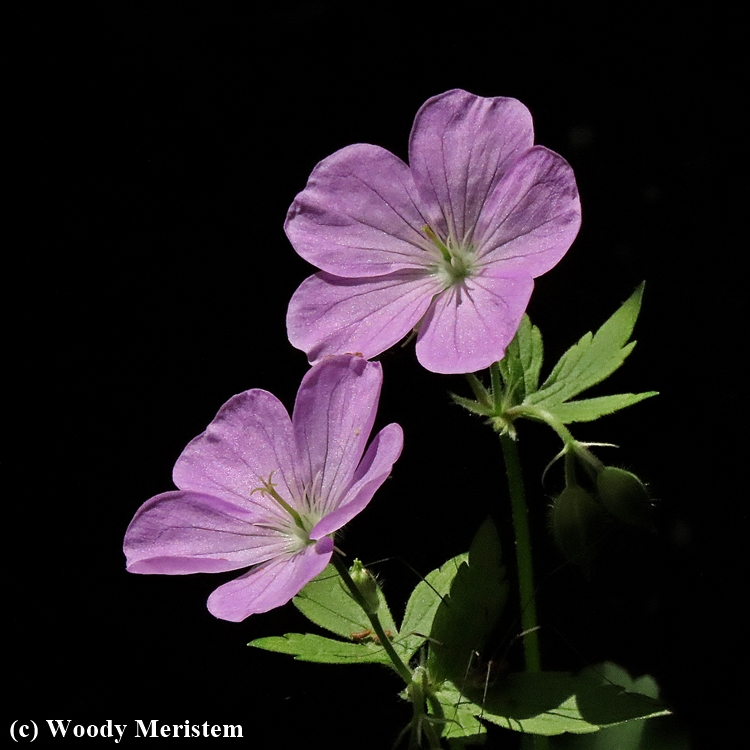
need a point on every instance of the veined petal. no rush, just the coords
(460, 147)
(374, 469)
(532, 217)
(188, 532)
(332, 315)
(248, 440)
(469, 325)
(357, 217)
(271, 584)
(333, 417)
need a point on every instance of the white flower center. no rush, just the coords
(296, 525)
(455, 262)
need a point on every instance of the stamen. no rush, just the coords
(437, 242)
(269, 489)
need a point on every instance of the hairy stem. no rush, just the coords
(523, 554)
(385, 642)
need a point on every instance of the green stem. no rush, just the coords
(523, 554)
(541, 415)
(524, 562)
(420, 720)
(385, 642)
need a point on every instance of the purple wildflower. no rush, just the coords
(257, 488)
(448, 245)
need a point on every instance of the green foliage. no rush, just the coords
(425, 600)
(594, 358)
(516, 392)
(522, 363)
(454, 611)
(551, 703)
(470, 612)
(316, 648)
(326, 602)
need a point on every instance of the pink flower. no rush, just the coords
(258, 489)
(449, 244)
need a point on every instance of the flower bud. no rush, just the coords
(577, 524)
(367, 586)
(624, 496)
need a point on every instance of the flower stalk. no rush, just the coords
(377, 627)
(523, 554)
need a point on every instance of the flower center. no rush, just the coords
(299, 524)
(456, 261)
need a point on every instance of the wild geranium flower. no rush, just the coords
(449, 244)
(260, 489)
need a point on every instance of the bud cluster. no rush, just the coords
(580, 516)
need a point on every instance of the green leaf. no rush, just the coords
(310, 647)
(424, 601)
(589, 409)
(468, 614)
(326, 602)
(551, 703)
(592, 359)
(458, 716)
(522, 362)
(531, 352)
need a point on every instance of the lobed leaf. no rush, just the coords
(522, 363)
(594, 358)
(589, 409)
(317, 648)
(326, 602)
(551, 703)
(424, 601)
(466, 617)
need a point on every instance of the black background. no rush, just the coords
(155, 149)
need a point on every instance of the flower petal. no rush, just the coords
(248, 440)
(270, 585)
(186, 532)
(460, 147)
(374, 469)
(533, 216)
(331, 315)
(333, 417)
(357, 216)
(469, 325)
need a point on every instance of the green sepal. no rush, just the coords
(473, 406)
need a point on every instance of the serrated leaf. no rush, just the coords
(457, 715)
(551, 703)
(522, 362)
(593, 358)
(317, 648)
(326, 602)
(424, 601)
(531, 353)
(589, 409)
(511, 370)
(466, 617)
